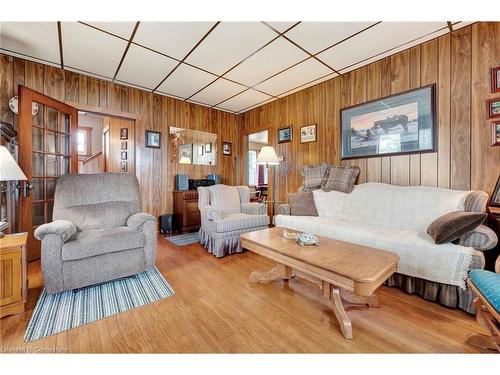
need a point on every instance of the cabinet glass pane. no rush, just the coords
(64, 123)
(64, 146)
(38, 214)
(37, 138)
(52, 118)
(51, 165)
(38, 118)
(64, 164)
(50, 208)
(50, 188)
(38, 189)
(51, 142)
(37, 164)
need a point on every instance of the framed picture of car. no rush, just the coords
(493, 107)
(285, 134)
(404, 123)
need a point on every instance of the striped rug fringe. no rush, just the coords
(55, 313)
(184, 239)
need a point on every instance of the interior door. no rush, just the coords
(47, 149)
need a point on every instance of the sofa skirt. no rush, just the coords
(447, 295)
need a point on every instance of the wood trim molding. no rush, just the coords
(103, 111)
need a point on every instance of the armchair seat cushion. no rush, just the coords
(488, 283)
(95, 242)
(234, 222)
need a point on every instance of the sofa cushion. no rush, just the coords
(312, 176)
(101, 241)
(233, 222)
(488, 283)
(302, 204)
(340, 178)
(451, 226)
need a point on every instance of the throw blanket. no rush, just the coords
(419, 256)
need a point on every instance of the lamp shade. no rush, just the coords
(267, 156)
(9, 170)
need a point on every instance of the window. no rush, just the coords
(84, 139)
(252, 168)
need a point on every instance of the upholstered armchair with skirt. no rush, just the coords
(98, 233)
(226, 212)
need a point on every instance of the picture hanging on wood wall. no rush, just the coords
(398, 124)
(124, 155)
(495, 79)
(124, 145)
(308, 134)
(495, 133)
(123, 166)
(124, 133)
(227, 148)
(285, 134)
(493, 107)
(153, 139)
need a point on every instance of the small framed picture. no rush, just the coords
(208, 148)
(200, 150)
(308, 133)
(285, 134)
(153, 139)
(493, 106)
(495, 79)
(124, 133)
(495, 133)
(227, 148)
(124, 155)
(124, 145)
(123, 166)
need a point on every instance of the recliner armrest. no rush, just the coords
(253, 208)
(482, 238)
(284, 209)
(138, 220)
(63, 228)
(210, 213)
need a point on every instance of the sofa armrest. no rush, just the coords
(284, 209)
(63, 228)
(138, 220)
(253, 208)
(210, 213)
(482, 238)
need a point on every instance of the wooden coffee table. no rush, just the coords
(342, 270)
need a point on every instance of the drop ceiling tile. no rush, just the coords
(122, 29)
(386, 34)
(174, 39)
(91, 50)
(275, 57)
(144, 67)
(228, 44)
(255, 106)
(300, 74)
(309, 84)
(281, 26)
(36, 39)
(316, 36)
(185, 81)
(217, 92)
(460, 24)
(245, 99)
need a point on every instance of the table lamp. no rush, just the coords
(9, 171)
(267, 156)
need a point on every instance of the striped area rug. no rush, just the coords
(59, 312)
(184, 239)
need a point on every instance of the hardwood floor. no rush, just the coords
(216, 310)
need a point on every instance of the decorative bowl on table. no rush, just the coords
(290, 235)
(307, 239)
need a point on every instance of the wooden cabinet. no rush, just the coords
(13, 279)
(186, 212)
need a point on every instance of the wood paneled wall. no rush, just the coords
(153, 169)
(458, 63)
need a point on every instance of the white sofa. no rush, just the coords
(396, 218)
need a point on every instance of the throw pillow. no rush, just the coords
(302, 204)
(312, 175)
(340, 178)
(453, 225)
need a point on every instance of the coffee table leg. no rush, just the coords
(279, 271)
(371, 301)
(340, 314)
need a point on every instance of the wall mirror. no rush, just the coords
(192, 146)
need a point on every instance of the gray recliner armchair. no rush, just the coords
(226, 212)
(98, 233)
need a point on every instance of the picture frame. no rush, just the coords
(123, 145)
(227, 148)
(285, 134)
(308, 133)
(186, 153)
(495, 197)
(200, 150)
(123, 155)
(399, 124)
(495, 133)
(495, 79)
(153, 139)
(124, 133)
(123, 166)
(493, 107)
(208, 148)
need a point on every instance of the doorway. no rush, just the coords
(256, 175)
